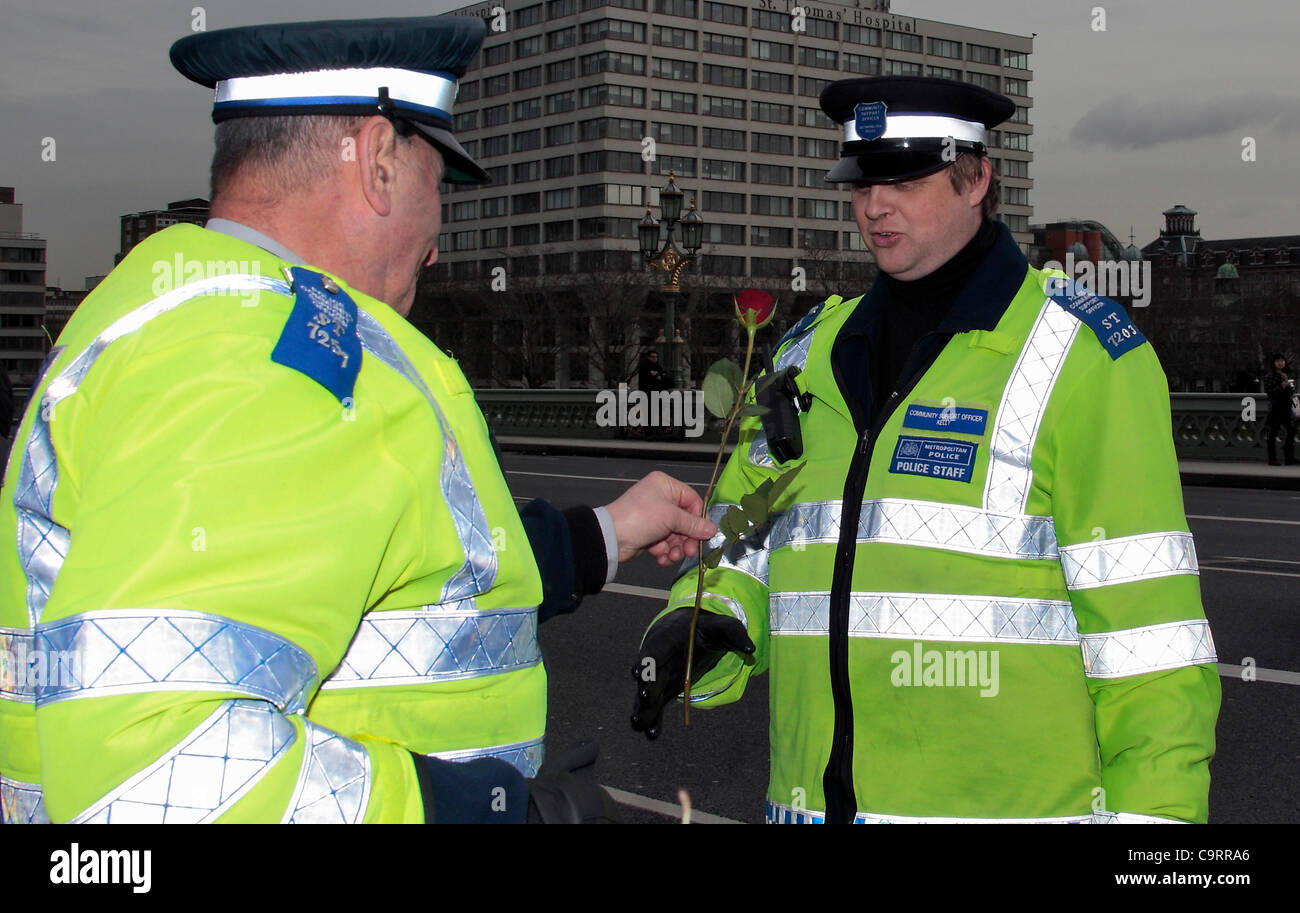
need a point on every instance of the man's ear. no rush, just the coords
(980, 186)
(377, 163)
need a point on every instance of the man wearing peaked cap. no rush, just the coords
(979, 600)
(262, 513)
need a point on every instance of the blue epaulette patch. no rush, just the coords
(801, 327)
(320, 338)
(1106, 318)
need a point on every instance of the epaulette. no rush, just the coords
(1106, 318)
(320, 338)
(818, 311)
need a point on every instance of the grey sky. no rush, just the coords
(1127, 122)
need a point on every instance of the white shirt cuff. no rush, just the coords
(611, 541)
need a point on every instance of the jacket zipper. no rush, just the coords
(837, 780)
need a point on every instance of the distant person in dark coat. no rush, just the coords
(652, 374)
(1279, 385)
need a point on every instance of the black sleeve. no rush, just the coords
(569, 549)
(482, 791)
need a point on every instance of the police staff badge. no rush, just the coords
(320, 338)
(869, 119)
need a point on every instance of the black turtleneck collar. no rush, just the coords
(937, 292)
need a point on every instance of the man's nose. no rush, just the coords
(880, 200)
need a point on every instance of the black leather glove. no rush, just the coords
(660, 682)
(565, 790)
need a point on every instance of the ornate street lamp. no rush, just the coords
(671, 260)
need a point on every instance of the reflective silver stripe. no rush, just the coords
(16, 680)
(205, 774)
(785, 814)
(526, 757)
(131, 651)
(1144, 557)
(479, 571)
(333, 783)
(1130, 818)
(951, 527)
(43, 543)
(1148, 649)
(436, 645)
(930, 616)
(749, 555)
(1011, 445)
(22, 803)
(795, 353)
(759, 454)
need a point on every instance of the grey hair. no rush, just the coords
(289, 152)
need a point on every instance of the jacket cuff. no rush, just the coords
(591, 560)
(482, 791)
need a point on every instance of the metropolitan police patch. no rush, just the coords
(869, 119)
(320, 338)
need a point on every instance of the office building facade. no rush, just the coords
(22, 294)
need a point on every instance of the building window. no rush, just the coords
(716, 265)
(1014, 168)
(1015, 196)
(902, 68)
(680, 134)
(616, 29)
(560, 102)
(667, 37)
(560, 231)
(777, 51)
(1017, 141)
(560, 264)
(860, 63)
(941, 47)
(718, 138)
(611, 194)
(722, 170)
(721, 233)
(467, 120)
(1021, 116)
(817, 239)
(671, 68)
(981, 53)
(461, 212)
(770, 113)
(1017, 86)
(904, 41)
(527, 141)
(610, 94)
(772, 174)
(558, 9)
(724, 44)
(496, 115)
(813, 177)
(724, 76)
(525, 234)
(528, 108)
(613, 62)
(822, 28)
(943, 73)
(764, 81)
(990, 81)
(560, 71)
(721, 201)
(724, 12)
(818, 57)
(858, 34)
(560, 39)
(529, 15)
(721, 106)
(679, 165)
(663, 100)
(467, 91)
(464, 240)
(602, 227)
(809, 85)
(684, 8)
(559, 167)
(819, 148)
(769, 267)
(610, 160)
(523, 172)
(528, 79)
(493, 207)
(815, 117)
(559, 134)
(499, 174)
(612, 128)
(495, 55)
(1016, 222)
(771, 20)
(818, 209)
(771, 143)
(495, 237)
(496, 85)
(1017, 59)
(526, 202)
(558, 199)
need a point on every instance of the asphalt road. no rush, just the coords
(1248, 544)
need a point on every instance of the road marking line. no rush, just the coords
(1242, 570)
(645, 803)
(630, 590)
(1244, 558)
(1282, 676)
(1243, 519)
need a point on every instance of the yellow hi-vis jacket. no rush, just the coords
(248, 582)
(985, 604)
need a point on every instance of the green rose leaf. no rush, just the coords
(719, 394)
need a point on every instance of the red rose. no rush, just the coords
(754, 308)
